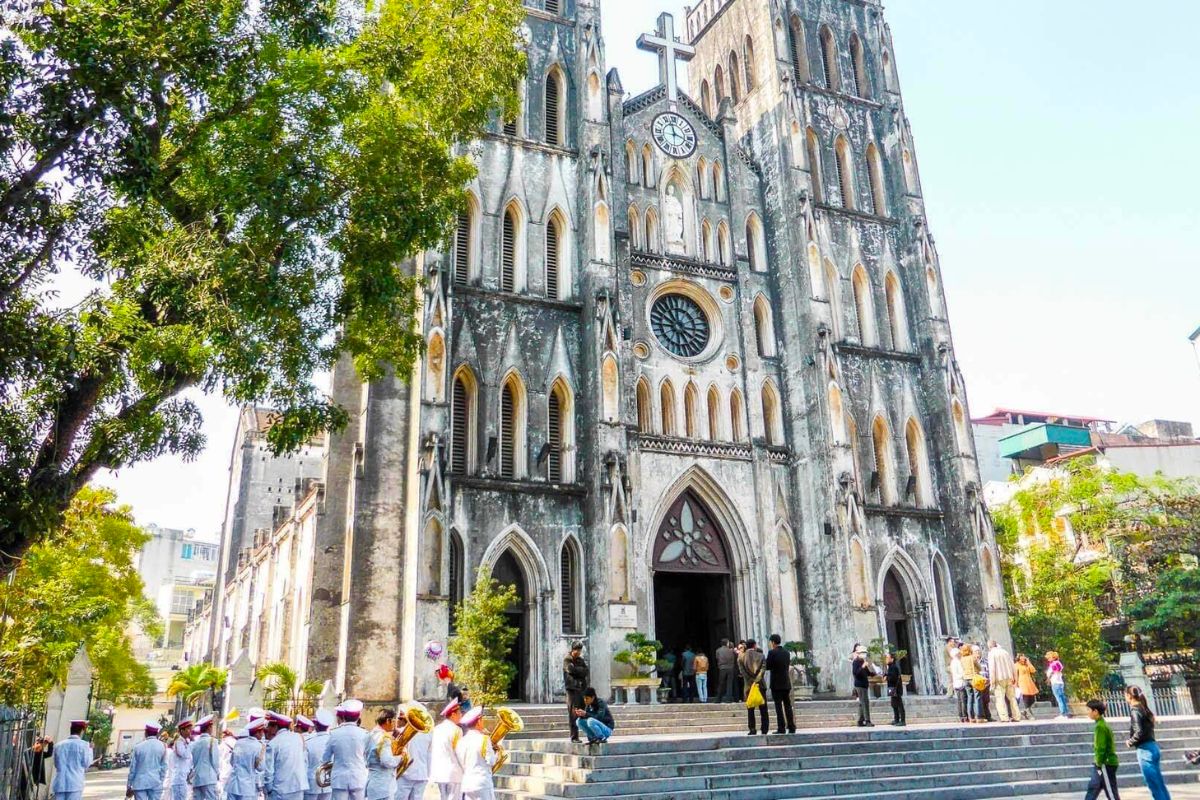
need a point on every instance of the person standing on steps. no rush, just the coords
(687, 673)
(1104, 775)
(863, 671)
(701, 662)
(726, 671)
(1141, 737)
(895, 684)
(751, 664)
(779, 665)
(1058, 683)
(1025, 685)
(1002, 672)
(575, 677)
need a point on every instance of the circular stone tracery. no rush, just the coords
(680, 325)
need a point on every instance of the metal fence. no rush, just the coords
(1168, 701)
(18, 730)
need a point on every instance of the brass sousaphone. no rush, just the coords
(417, 719)
(508, 721)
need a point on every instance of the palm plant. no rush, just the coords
(194, 684)
(283, 691)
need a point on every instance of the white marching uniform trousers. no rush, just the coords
(68, 795)
(350, 794)
(179, 791)
(486, 793)
(450, 791)
(203, 792)
(410, 790)
(147, 794)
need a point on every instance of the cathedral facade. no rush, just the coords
(689, 373)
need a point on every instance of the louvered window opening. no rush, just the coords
(827, 61)
(553, 6)
(553, 123)
(510, 128)
(456, 569)
(460, 426)
(462, 249)
(553, 254)
(508, 254)
(843, 180)
(567, 591)
(797, 54)
(554, 432)
(508, 407)
(859, 89)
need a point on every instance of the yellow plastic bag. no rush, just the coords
(754, 699)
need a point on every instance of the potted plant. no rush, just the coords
(641, 656)
(801, 666)
(664, 670)
(877, 650)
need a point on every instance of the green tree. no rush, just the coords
(80, 586)
(481, 647)
(228, 192)
(196, 685)
(283, 691)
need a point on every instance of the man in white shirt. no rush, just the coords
(314, 746)
(411, 785)
(444, 767)
(147, 766)
(72, 757)
(206, 761)
(381, 763)
(285, 763)
(347, 749)
(1002, 672)
(181, 760)
(477, 755)
(245, 773)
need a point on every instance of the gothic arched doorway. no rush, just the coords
(900, 632)
(508, 571)
(693, 598)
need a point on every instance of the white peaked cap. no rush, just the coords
(324, 717)
(471, 717)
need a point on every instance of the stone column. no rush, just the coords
(1133, 671)
(241, 691)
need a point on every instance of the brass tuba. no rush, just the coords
(324, 775)
(417, 719)
(508, 721)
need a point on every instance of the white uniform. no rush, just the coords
(206, 766)
(245, 769)
(181, 765)
(381, 766)
(227, 745)
(72, 757)
(411, 785)
(314, 748)
(285, 767)
(347, 749)
(147, 769)
(444, 767)
(477, 755)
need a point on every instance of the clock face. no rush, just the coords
(675, 135)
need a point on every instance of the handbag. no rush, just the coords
(979, 683)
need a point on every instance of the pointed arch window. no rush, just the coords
(645, 416)
(706, 241)
(885, 470)
(595, 98)
(457, 570)
(724, 249)
(756, 243)
(602, 230)
(813, 150)
(816, 274)
(667, 408)
(859, 593)
(858, 62)
(435, 368)
(651, 243)
(718, 181)
(837, 413)
(918, 464)
(896, 313)
(706, 97)
(875, 176)
(512, 428)
(462, 422)
(962, 435)
(554, 255)
(647, 167)
(735, 90)
(610, 384)
(829, 60)
(691, 411)
(631, 162)
(509, 245)
(719, 85)
(764, 328)
(772, 419)
(702, 178)
(832, 281)
(737, 419)
(799, 51)
(845, 172)
(464, 242)
(863, 307)
(748, 58)
(941, 590)
(560, 433)
(714, 414)
(569, 588)
(555, 122)
(635, 229)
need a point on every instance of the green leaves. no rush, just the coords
(197, 684)
(484, 640)
(240, 188)
(283, 691)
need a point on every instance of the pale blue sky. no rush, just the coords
(1056, 142)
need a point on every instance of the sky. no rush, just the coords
(1056, 146)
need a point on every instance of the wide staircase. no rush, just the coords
(688, 753)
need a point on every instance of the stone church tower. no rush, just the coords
(689, 372)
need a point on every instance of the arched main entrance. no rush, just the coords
(900, 632)
(508, 571)
(693, 597)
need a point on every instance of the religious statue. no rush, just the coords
(673, 223)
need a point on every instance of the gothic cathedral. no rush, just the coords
(689, 372)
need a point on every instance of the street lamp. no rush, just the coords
(1195, 340)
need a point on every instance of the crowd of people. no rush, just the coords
(983, 682)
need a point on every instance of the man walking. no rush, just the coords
(147, 767)
(445, 769)
(206, 761)
(779, 664)
(411, 785)
(751, 664)
(381, 764)
(862, 686)
(687, 670)
(286, 762)
(314, 751)
(1003, 674)
(181, 760)
(347, 750)
(72, 757)
(575, 678)
(726, 670)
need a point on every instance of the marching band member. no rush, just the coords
(245, 764)
(285, 764)
(347, 749)
(181, 760)
(147, 767)
(411, 785)
(206, 761)
(228, 741)
(381, 764)
(72, 757)
(314, 746)
(445, 769)
(477, 755)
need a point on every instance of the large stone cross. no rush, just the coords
(669, 50)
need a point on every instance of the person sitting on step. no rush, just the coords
(595, 718)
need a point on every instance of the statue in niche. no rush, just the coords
(673, 223)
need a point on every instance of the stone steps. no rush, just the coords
(1018, 759)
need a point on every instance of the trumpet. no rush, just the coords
(508, 721)
(417, 719)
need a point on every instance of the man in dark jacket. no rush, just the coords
(895, 686)
(575, 679)
(751, 665)
(862, 686)
(779, 665)
(726, 671)
(595, 718)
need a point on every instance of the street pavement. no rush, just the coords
(1188, 791)
(106, 784)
